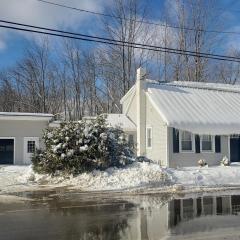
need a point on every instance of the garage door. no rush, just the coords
(6, 151)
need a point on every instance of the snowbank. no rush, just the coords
(207, 176)
(136, 176)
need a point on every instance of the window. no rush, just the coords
(131, 141)
(186, 141)
(207, 143)
(31, 146)
(149, 137)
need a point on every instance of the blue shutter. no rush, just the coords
(217, 144)
(197, 143)
(175, 140)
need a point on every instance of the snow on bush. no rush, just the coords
(202, 163)
(225, 161)
(77, 147)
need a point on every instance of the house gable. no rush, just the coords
(159, 150)
(129, 104)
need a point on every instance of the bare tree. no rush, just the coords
(119, 63)
(193, 19)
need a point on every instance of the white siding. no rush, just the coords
(132, 108)
(158, 152)
(20, 129)
(191, 158)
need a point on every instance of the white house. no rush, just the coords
(20, 134)
(179, 123)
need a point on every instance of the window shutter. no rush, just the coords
(217, 144)
(197, 143)
(175, 140)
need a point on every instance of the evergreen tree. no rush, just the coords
(77, 147)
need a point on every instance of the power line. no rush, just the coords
(120, 43)
(128, 44)
(138, 21)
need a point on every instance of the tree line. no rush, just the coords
(73, 79)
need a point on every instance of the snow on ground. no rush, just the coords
(136, 176)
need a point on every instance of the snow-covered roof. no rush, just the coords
(122, 121)
(203, 108)
(116, 120)
(25, 116)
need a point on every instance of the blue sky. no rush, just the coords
(12, 44)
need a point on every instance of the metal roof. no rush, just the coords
(25, 116)
(203, 108)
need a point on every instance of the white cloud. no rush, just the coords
(37, 13)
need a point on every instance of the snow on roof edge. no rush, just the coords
(26, 114)
(197, 111)
(199, 85)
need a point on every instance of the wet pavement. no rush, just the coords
(60, 214)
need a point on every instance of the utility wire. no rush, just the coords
(128, 44)
(120, 43)
(138, 21)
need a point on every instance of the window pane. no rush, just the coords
(186, 141)
(186, 136)
(149, 132)
(149, 142)
(131, 140)
(188, 209)
(206, 138)
(149, 137)
(187, 145)
(206, 146)
(31, 146)
(206, 143)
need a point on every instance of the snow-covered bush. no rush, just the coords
(82, 146)
(225, 161)
(202, 163)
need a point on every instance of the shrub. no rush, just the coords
(225, 161)
(77, 147)
(202, 163)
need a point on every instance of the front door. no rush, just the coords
(235, 149)
(6, 151)
(30, 145)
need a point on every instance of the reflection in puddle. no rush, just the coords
(52, 215)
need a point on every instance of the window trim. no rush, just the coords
(149, 127)
(212, 141)
(180, 142)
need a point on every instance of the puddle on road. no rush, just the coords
(69, 215)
